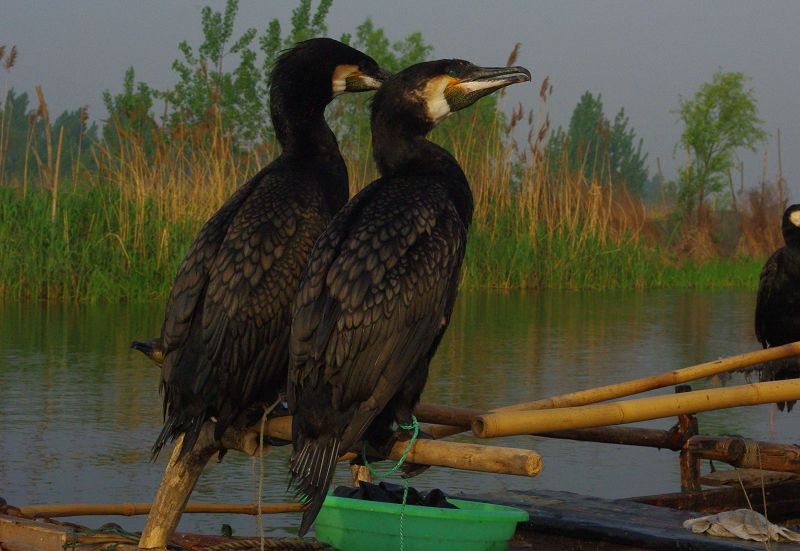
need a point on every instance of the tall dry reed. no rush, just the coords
(120, 231)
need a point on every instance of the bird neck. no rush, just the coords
(398, 151)
(792, 241)
(308, 142)
(300, 126)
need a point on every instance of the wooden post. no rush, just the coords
(690, 465)
(176, 486)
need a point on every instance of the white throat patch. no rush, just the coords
(794, 218)
(339, 80)
(433, 96)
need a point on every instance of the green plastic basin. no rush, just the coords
(359, 525)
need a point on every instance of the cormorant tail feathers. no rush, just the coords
(173, 427)
(312, 471)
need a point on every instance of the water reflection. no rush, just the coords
(79, 411)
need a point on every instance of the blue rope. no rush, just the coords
(415, 427)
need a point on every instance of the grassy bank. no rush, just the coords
(120, 232)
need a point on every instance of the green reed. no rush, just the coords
(120, 231)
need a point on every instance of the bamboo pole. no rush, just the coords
(456, 455)
(628, 436)
(630, 411)
(134, 509)
(452, 418)
(181, 475)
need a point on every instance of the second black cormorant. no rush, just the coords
(777, 319)
(376, 297)
(224, 342)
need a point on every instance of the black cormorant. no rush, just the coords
(778, 301)
(224, 342)
(376, 297)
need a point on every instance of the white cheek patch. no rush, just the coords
(339, 80)
(794, 218)
(435, 102)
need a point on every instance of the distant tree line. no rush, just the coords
(601, 149)
(224, 81)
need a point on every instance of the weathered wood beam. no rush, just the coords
(781, 498)
(176, 486)
(746, 453)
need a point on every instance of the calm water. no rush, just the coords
(79, 411)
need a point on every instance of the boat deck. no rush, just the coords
(559, 521)
(563, 520)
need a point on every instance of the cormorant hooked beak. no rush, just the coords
(349, 78)
(478, 82)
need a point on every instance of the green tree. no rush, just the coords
(595, 146)
(587, 136)
(27, 138)
(15, 117)
(129, 114)
(240, 97)
(391, 56)
(628, 161)
(719, 119)
(205, 90)
(349, 115)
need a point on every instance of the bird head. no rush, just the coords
(319, 69)
(428, 92)
(790, 225)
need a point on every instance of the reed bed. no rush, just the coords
(120, 230)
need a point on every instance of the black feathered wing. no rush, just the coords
(182, 320)
(371, 307)
(776, 320)
(234, 343)
(766, 286)
(246, 322)
(190, 283)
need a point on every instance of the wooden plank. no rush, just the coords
(622, 523)
(748, 477)
(782, 500)
(21, 533)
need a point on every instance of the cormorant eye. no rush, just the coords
(452, 73)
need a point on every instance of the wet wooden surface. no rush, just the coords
(560, 521)
(567, 521)
(782, 498)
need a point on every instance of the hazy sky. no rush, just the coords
(640, 55)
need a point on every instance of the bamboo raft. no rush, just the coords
(766, 475)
